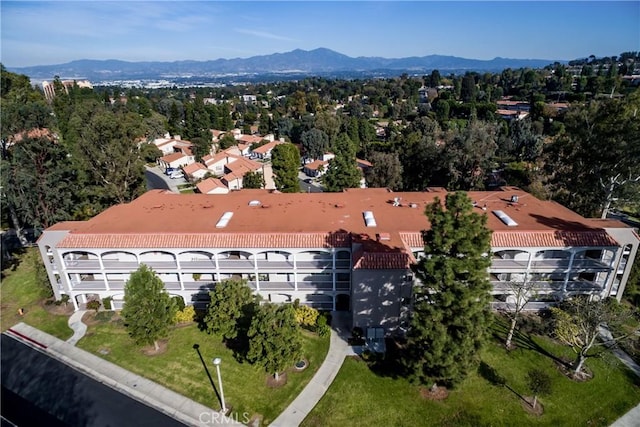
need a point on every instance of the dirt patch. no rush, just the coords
(150, 350)
(58, 310)
(567, 371)
(273, 383)
(527, 405)
(434, 393)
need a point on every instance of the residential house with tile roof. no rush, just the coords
(349, 251)
(212, 186)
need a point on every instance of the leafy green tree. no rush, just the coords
(314, 143)
(231, 308)
(201, 147)
(38, 182)
(274, 338)
(468, 155)
(227, 141)
(285, 161)
(527, 144)
(148, 310)
(149, 152)
(110, 157)
(539, 382)
(578, 322)
(386, 171)
(343, 171)
(253, 180)
(451, 315)
(596, 158)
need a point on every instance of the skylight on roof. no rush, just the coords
(224, 220)
(505, 218)
(254, 203)
(369, 220)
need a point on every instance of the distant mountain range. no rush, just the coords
(319, 61)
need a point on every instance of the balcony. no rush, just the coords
(82, 264)
(318, 286)
(508, 264)
(172, 286)
(198, 285)
(315, 264)
(553, 285)
(276, 286)
(160, 265)
(88, 285)
(120, 265)
(117, 285)
(589, 264)
(205, 264)
(282, 265)
(583, 286)
(236, 264)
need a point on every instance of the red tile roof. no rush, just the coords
(194, 167)
(318, 219)
(209, 184)
(217, 240)
(263, 149)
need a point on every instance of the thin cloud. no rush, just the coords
(263, 34)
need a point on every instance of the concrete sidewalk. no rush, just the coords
(631, 418)
(162, 399)
(76, 325)
(296, 412)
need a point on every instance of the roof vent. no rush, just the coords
(383, 237)
(224, 220)
(514, 198)
(505, 218)
(254, 203)
(369, 219)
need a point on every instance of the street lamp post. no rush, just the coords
(216, 362)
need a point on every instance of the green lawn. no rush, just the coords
(20, 290)
(359, 397)
(180, 368)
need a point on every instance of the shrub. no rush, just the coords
(323, 330)
(178, 302)
(106, 303)
(185, 315)
(94, 304)
(306, 315)
(64, 299)
(321, 320)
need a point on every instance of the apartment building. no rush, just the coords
(334, 251)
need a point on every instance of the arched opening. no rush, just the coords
(343, 302)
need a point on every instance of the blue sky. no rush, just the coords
(54, 32)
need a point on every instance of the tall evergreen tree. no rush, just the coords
(148, 309)
(451, 303)
(274, 338)
(343, 171)
(285, 161)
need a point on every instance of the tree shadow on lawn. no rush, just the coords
(522, 340)
(390, 363)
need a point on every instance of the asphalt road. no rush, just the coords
(157, 180)
(38, 390)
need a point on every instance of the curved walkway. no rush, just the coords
(79, 328)
(313, 392)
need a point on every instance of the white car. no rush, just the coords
(176, 175)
